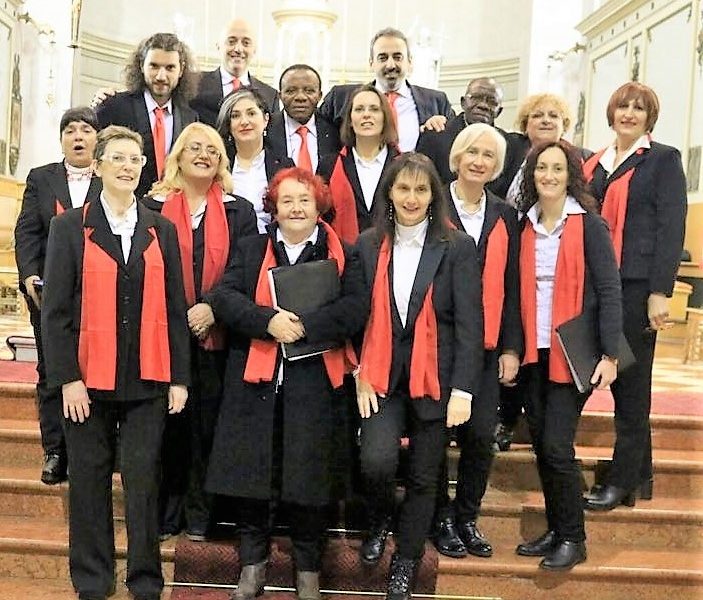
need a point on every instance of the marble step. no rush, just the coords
(18, 401)
(20, 443)
(22, 588)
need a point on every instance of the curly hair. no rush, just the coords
(531, 102)
(323, 198)
(188, 84)
(576, 183)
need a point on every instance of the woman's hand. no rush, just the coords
(657, 311)
(366, 398)
(508, 365)
(76, 404)
(286, 327)
(177, 396)
(458, 410)
(200, 319)
(606, 372)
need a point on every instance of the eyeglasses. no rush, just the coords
(196, 148)
(118, 160)
(489, 99)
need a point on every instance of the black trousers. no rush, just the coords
(380, 444)
(553, 411)
(91, 450)
(49, 399)
(511, 406)
(476, 441)
(632, 392)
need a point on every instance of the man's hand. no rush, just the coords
(286, 327)
(100, 95)
(657, 311)
(508, 365)
(606, 372)
(76, 404)
(458, 410)
(177, 396)
(31, 290)
(200, 319)
(366, 398)
(434, 123)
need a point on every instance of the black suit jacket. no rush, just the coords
(327, 137)
(129, 109)
(429, 102)
(62, 296)
(45, 186)
(209, 98)
(656, 215)
(452, 266)
(511, 337)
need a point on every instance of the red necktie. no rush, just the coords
(236, 84)
(159, 134)
(304, 160)
(392, 97)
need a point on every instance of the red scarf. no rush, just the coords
(261, 362)
(377, 350)
(59, 208)
(614, 204)
(494, 283)
(567, 301)
(345, 224)
(97, 345)
(217, 244)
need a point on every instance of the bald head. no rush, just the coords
(238, 46)
(483, 101)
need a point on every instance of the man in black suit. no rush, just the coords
(160, 82)
(50, 190)
(238, 46)
(390, 60)
(301, 91)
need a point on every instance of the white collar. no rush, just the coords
(128, 220)
(403, 90)
(380, 158)
(459, 204)
(607, 159)
(312, 238)
(411, 234)
(292, 125)
(227, 77)
(257, 161)
(571, 207)
(77, 170)
(151, 104)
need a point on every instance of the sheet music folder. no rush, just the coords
(303, 288)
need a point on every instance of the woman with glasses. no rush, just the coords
(116, 342)
(242, 123)
(194, 195)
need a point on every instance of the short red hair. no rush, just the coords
(634, 90)
(323, 198)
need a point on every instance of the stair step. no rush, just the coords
(20, 443)
(18, 400)
(22, 588)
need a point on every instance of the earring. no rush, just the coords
(429, 213)
(390, 211)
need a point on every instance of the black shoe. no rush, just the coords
(374, 544)
(446, 539)
(167, 533)
(608, 497)
(400, 578)
(474, 540)
(542, 546)
(565, 555)
(503, 437)
(646, 489)
(196, 534)
(54, 469)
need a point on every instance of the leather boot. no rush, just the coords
(542, 546)
(251, 582)
(446, 538)
(474, 540)
(609, 497)
(308, 585)
(400, 578)
(565, 555)
(374, 544)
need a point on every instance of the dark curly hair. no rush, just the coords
(576, 184)
(188, 84)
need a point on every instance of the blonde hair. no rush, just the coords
(467, 137)
(531, 102)
(172, 179)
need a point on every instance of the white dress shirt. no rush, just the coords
(472, 222)
(78, 179)
(294, 141)
(546, 253)
(369, 172)
(251, 184)
(607, 159)
(151, 104)
(122, 225)
(228, 78)
(408, 119)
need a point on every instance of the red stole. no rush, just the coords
(59, 208)
(261, 362)
(345, 224)
(494, 283)
(567, 301)
(217, 244)
(97, 345)
(377, 350)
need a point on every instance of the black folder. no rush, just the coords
(303, 288)
(580, 342)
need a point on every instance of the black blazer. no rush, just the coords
(452, 266)
(511, 337)
(45, 185)
(209, 98)
(62, 294)
(129, 109)
(656, 215)
(327, 137)
(428, 102)
(364, 216)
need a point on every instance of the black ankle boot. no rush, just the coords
(609, 497)
(374, 544)
(446, 538)
(542, 546)
(400, 578)
(564, 556)
(475, 542)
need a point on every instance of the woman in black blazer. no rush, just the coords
(477, 156)
(421, 355)
(193, 195)
(277, 428)
(242, 122)
(567, 268)
(370, 143)
(641, 187)
(116, 342)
